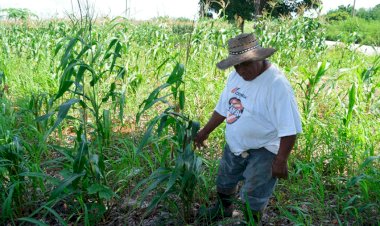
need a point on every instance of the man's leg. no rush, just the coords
(230, 172)
(258, 181)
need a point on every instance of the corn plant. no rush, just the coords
(13, 184)
(180, 176)
(311, 89)
(367, 83)
(84, 65)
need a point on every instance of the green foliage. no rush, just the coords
(184, 173)
(354, 30)
(369, 14)
(277, 8)
(338, 15)
(344, 12)
(245, 9)
(291, 37)
(18, 14)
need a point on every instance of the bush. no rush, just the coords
(338, 16)
(355, 30)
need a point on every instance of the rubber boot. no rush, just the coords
(223, 208)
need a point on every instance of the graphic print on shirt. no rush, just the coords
(235, 110)
(237, 93)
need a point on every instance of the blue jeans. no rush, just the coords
(255, 170)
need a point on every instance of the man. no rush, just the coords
(262, 121)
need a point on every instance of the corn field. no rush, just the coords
(98, 117)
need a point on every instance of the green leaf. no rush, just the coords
(62, 112)
(107, 54)
(116, 54)
(153, 204)
(151, 100)
(80, 160)
(176, 75)
(122, 101)
(106, 193)
(64, 184)
(59, 45)
(57, 216)
(2, 77)
(194, 129)
(159, 176)
(351, 104)
(111, 92)
(6, 206)
(32, 220)
(95, 188)
(68, 50)
(369, 160)
(107, 125)
(64, 86)
(147, 134)
(181, 99)
(173, 177)
(36, 174)
(321, 71)
(44, 117)
(162, 124)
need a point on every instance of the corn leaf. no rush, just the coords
(65, 183)
(32, 220)
(62, 112)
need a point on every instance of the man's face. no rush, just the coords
(237, 104)
(248, 70)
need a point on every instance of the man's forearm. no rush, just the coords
(286, 146)
(215, 120)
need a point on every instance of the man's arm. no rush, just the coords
(215, 120)
(280, 163)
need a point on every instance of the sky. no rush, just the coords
(141, 9)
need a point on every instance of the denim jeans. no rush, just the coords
(256, 172)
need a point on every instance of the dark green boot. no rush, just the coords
(223, 208)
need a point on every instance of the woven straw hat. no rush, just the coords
(242, 48)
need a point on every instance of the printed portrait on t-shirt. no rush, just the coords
(235, 110)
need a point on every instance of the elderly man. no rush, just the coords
(262, 121)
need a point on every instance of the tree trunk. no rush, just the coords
(239, 22)
(259, 6)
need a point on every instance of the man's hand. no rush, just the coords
(212, 123)
(280, 162)
(280, 168)
(200, 138)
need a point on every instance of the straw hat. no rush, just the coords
(242, 48)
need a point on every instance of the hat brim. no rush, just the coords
(256, 55)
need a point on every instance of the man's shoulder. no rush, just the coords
(278, 80)
(275, 75)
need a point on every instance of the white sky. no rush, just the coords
(141, 9)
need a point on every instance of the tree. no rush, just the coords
(233, 10)
(18, 14)
(369, 14)
(277, 8)
(249, 9)
(241, 10)
(259, 6)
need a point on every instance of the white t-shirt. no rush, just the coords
(258, 112)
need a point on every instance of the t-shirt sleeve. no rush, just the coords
(221, 106)
(284, 110)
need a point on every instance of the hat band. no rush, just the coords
(244, 51)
